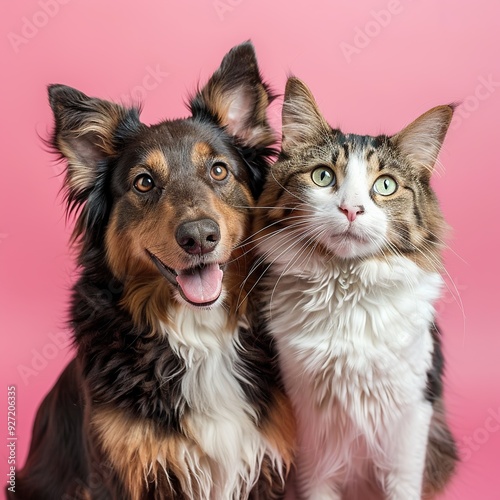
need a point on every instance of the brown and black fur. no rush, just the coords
(119, 405)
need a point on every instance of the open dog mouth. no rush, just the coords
(200, 285)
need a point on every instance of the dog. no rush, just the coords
(174, 392)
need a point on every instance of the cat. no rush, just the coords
(349, 236)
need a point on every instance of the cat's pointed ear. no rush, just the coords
(301, 117)
(235, 97)
(422, 139)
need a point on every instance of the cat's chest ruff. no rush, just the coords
(359, 329)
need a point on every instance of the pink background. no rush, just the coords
(373, 66)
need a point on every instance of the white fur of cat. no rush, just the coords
(351, 314)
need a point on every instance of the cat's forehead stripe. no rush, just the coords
(360, 142)
(374, 161)
(345, 147)
(335, 155)
(366, 146)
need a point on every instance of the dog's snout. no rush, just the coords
(199, 236)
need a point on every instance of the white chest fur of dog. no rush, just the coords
(230, 450)
(355, 347)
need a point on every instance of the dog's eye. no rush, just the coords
(144, 183)
(219, 171)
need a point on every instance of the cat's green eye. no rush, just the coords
(385, 185)
(323, 176)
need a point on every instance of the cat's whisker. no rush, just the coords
(436, 236)
(303, 206)
(257, 264)
(243, 286)
(292, 194)
(305, 244)
(395, 251)
(261, 259)
(292, 227)
(251, 240)
(450, 286)
(436, 264)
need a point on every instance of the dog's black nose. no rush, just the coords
(199, 236)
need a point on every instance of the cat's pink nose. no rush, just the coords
(352, 211)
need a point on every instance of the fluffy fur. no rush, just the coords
(174, 391)
(349, 235)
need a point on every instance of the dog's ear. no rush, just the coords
(87, 134)
(236, 98)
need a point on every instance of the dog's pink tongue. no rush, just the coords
(203, 284)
